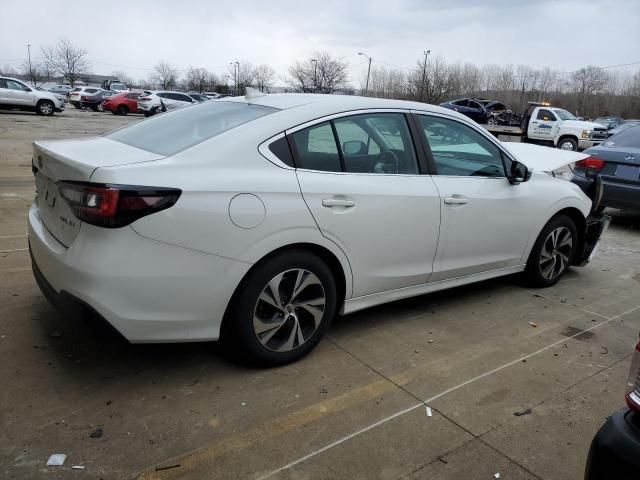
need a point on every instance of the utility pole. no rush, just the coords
(315, 74)
(424, 72)
(366, 88)
(236, 71)
(30, 69)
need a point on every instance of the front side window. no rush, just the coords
(546, 115)
(564, 115)
(16, 86)
(459, 150)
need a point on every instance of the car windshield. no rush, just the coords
(563, 114)
(629, 137)
(118, 86)
(176, 131)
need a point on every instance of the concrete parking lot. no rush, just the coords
(517, 380)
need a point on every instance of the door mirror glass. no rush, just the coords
(519, 173)
(354, 147)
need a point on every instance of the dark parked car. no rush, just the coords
(617, 161)
(623, 126)
(470, 107)
(609, 122)
(615, 450)
(95, 101)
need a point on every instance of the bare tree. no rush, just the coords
(197, 79)
(263, 76)
(123, 77)
(164, 75)
(66, 60)
(242, 76)
(588, 81)
(35, 71)
(321, 74)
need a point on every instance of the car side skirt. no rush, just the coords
(366, 301)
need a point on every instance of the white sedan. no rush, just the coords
(255, 220)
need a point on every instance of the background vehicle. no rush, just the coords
(615, 450)
(551, 126)
(122, 103)
(609, 122)
(94, 102)
(471, 107)
(75, 96)
(163, 101)
(248, 205)
(61, 89)
(212, 95)
(623, 126)
(198, 97)
(617, 162)
(14, 94)
(114, 85)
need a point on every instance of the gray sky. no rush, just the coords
(133, 36)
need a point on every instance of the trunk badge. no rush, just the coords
(629, 157)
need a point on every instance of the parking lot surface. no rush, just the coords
(517, 381)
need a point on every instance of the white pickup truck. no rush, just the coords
(552, 126)
(15, 94)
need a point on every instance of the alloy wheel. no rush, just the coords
(289, 310)
(46, 108)
(556, 252)
(567, 146)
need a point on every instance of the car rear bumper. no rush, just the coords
(615, 450)
(615, 194)
(147, 290)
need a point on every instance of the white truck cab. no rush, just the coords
(563, 129)
(15, 94)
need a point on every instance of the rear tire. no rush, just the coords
(123, 109)
(552, 253)
(267, 331)
(45, 107)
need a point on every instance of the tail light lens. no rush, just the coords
(144, 99)
(632, 394)
(84, 98)
(114, 206)
(592, 163)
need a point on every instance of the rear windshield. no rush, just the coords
(173, 132)
(629, 137)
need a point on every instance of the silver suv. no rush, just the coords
(15, 94)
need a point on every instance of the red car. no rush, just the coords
(122, 103)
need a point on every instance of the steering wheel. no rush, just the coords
(389, 161)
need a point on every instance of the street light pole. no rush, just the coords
(424, 72)
(30, 69)
(366, 88)
(315, 74)
(236, 71)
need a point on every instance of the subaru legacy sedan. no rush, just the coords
(255, 220)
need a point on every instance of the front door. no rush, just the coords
(544, 126)
(20, 94)
(484, 218)
(360, 179)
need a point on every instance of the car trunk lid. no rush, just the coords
(74, 160)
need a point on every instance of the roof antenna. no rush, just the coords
(250, 93)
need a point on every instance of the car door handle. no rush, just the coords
(455, 200)
(338, 202)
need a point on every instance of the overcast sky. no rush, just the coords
(133, 36)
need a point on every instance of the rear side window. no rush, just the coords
(173, 132)
(629, 137)
(316, 148)
(133, 95)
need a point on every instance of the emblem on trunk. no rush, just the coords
(629, 157)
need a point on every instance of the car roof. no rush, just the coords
(338, 103)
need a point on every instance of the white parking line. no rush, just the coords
(14, 250)
(435, 397)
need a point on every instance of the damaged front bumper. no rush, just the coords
(596, 226)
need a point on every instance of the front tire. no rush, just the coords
(45, 107)
(553, 252)
(123, 109)
(281, 310)
(570, 144)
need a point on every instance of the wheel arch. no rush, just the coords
(567, 135)
(341, 277)
(581, 226)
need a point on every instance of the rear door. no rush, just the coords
(484, 222)
(360, 177)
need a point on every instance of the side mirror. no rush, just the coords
(354, 147)
(519, 173)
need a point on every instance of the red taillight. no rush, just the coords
(84, 98)
(114, 206)
(591, 162)
(632, 393)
